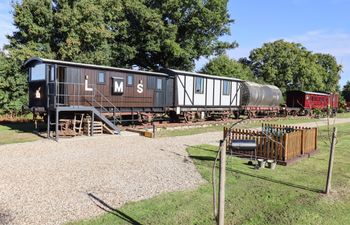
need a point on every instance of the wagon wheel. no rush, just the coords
(251, 115)
(236, 115)
(189, 117)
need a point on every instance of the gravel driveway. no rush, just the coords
(45, 182)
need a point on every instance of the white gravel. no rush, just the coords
(45, 182)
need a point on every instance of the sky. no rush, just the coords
(320, 25)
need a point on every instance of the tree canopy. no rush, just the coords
(13, 86)
(290, 66)
(122, 33)
(224, 66)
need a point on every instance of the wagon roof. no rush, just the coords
(67, 63)
(312, 93)
(202, 75)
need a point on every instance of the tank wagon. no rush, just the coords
(112, 95)
(260, 99)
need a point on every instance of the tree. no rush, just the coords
(224, 66)
(331, 71)
(346, 91)
(121, 33)
(291, 66)
(13, 86)
(33, 37)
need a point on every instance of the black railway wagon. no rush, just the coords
(60, 88)
(59, 83)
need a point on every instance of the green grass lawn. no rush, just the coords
(287, 195)
(246, 124)
(16, 132)
(343, 115)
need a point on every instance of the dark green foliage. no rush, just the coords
(119, 33)
(331, 71)
(291, 66)
(34, 22)
(13, 86)
(346, 91)
(224, 66)
(146, 33)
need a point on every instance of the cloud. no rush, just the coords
(335, 42)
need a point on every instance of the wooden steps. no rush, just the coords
(107, 130)
(97, 127)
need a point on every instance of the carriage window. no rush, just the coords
(151, 82)
(159, 84)
(101, 78)
(130, 80)
(52, 73)
(199, 85)
(226, 89)
(38, 72)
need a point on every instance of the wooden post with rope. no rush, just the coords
(330, 163)
(222, 177)
(219, 212)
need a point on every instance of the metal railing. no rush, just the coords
(75, 95)
(110, 105)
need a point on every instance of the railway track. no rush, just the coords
(161, 125)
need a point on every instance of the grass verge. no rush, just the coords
(16, 132)
(287, 195)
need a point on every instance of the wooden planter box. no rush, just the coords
(285, 144)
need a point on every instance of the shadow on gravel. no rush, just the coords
(107, 208)
(5, 218)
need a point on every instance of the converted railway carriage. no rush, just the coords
(205, 96)
(59, 83)
(60, 89)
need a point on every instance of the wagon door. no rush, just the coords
(159, 93)
(51, 83)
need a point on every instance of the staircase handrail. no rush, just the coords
(115, 109)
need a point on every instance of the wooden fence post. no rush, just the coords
(330, 163)
(154, 130)
(316, 133)
(286, 147)
(302, 142)
(225, 131)
(222, 177)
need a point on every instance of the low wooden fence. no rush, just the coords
(279, 142)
